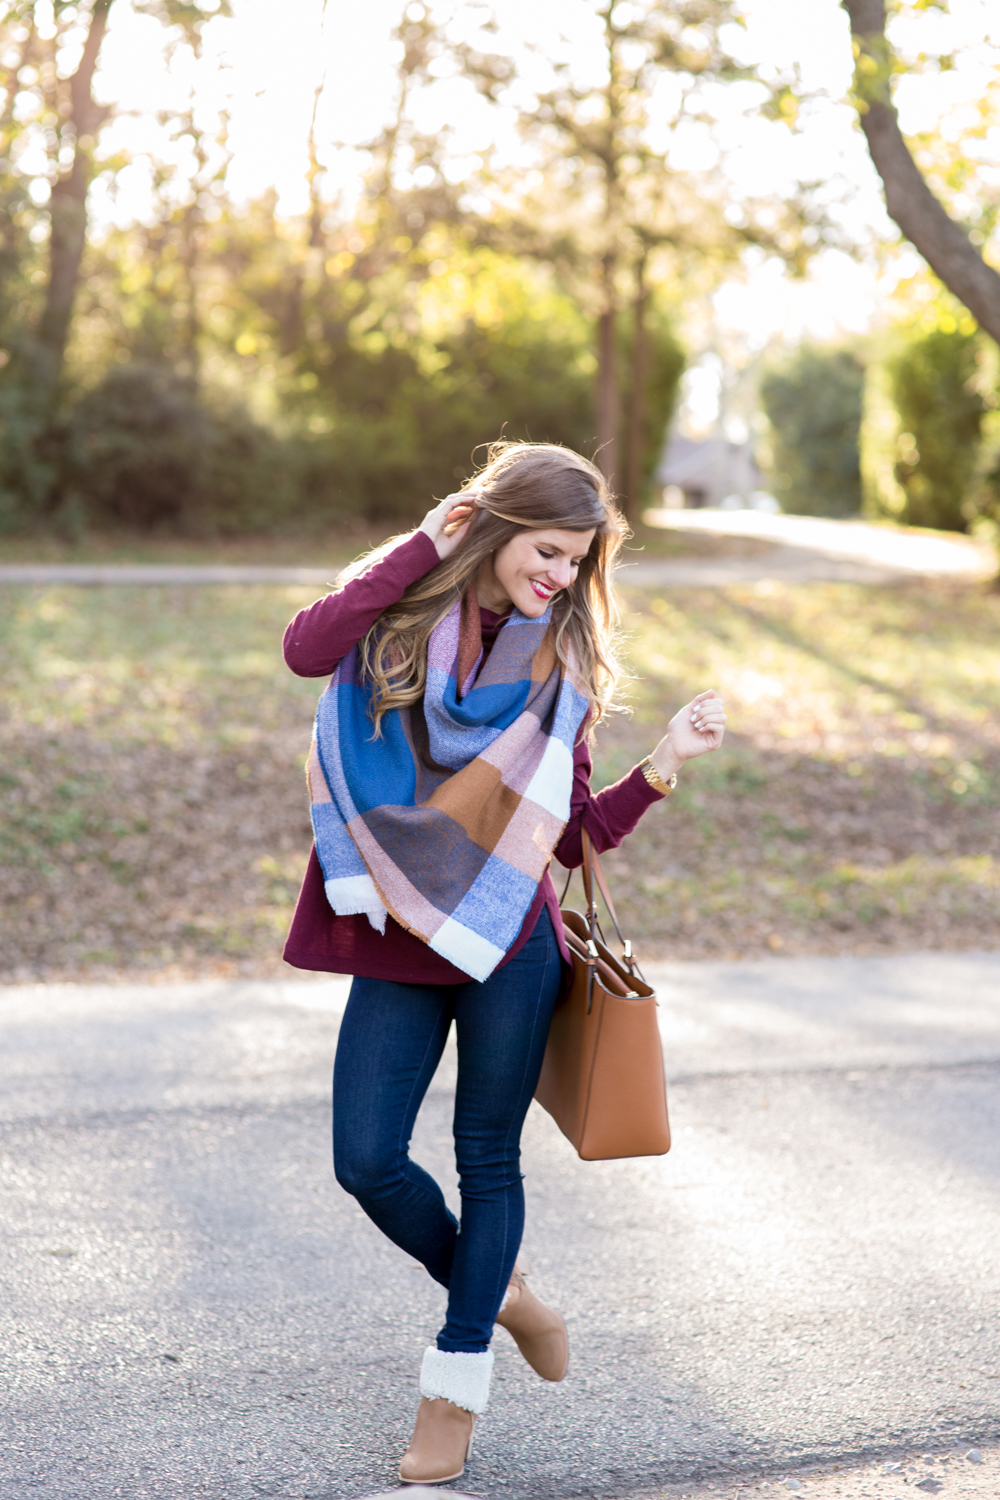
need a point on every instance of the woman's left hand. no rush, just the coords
(697, 728)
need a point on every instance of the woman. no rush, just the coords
(450, 763)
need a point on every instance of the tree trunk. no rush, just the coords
(608, 395)
(944, 245)
(635, 443)
(315, 206)
(190, 226)
(68, 208)
(292, 323)
(608, 398)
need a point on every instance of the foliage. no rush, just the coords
(225, 368)
(882, 494)
(373, 391)
(939, 189)
(28, 455)
(941, 412)
(986, 489)
(417, 370)
(926, 401)
(372, 376)
(609, 206)
(813, 403)
(148, 452)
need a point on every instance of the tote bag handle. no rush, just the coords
(592, 872)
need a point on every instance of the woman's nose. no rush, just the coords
(560, 572)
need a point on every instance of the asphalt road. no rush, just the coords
(191, 1307)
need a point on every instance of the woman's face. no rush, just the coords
(530, 569)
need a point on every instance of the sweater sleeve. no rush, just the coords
(323, 633)
(608, 816)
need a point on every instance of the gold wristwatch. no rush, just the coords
(654, 778)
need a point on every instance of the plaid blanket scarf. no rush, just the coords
(449, 820)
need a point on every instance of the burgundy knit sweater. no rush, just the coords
(315, 641)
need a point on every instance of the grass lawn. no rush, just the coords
(336, 546)
(151, 749)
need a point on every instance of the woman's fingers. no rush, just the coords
(707, 712)
(444, 522)
(696, 728)
(699, 704)
(458, 515)
(459, 510)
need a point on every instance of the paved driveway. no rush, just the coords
(804, 548)
(797, 549)
(191, 1306)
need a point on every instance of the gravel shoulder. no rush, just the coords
(973, 1472)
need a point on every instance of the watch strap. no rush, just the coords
(654, 778)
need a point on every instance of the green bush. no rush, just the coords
(370, 385)
(449, 364)
(28, 465)
(813, 404)
(933, 385)
(147, 452)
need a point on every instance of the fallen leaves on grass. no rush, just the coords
(151, 745)
(148, 856)
(792, 854)
(854, 805)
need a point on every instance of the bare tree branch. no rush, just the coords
(924, 221)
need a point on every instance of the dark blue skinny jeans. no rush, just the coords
(391, 1041)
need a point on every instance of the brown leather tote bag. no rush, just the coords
(602, 1076)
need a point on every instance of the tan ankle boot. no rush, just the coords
(538, 1331)
(440, 1445)
(454, 1390)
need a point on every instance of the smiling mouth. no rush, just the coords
(540, 589)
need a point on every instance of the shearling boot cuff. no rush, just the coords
(462, 1379)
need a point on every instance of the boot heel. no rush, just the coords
(441, 1443)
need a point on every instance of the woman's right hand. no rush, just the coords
(448, 522)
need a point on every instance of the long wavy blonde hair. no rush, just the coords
(521, 487)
